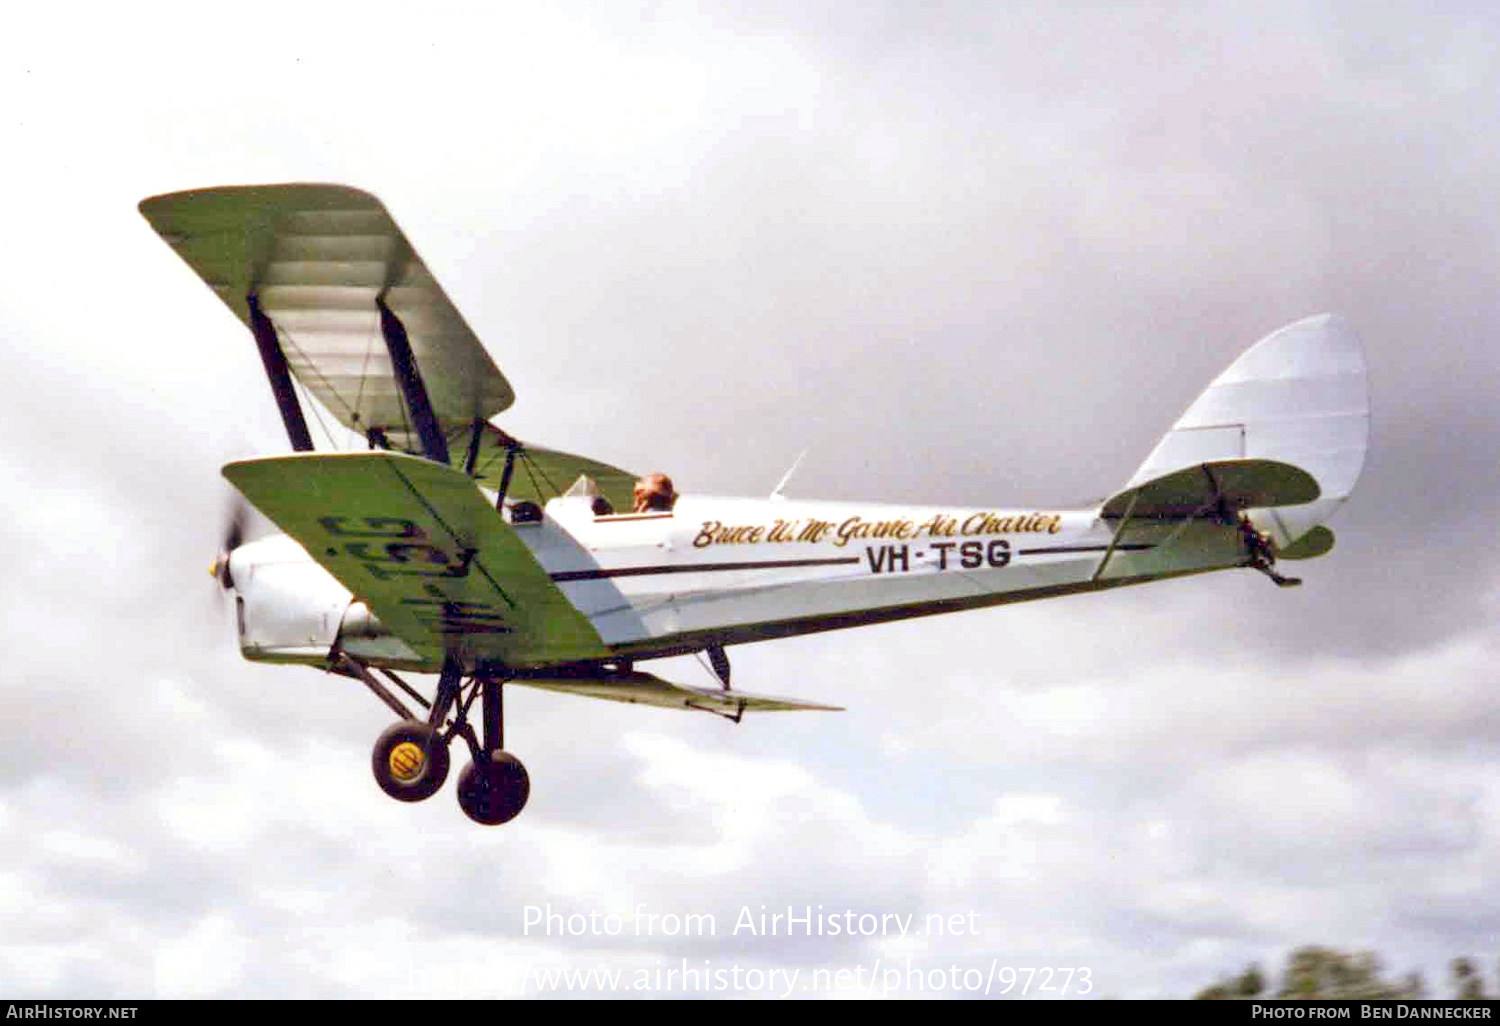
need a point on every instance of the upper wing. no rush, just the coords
(317, 257)
(417, 542)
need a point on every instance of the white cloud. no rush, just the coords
(967, 257)
(206, 961)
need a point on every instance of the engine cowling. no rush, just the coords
(288, 609)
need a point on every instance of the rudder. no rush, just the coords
(1298, 396)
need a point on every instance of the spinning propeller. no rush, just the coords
(233, 538)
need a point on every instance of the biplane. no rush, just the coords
(443, 545)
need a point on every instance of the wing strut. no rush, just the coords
(404, 366)
(720, 660)
(353, 668)
(512, 448)
(1119, 533)
(281, 379)
(475, 434)
(510, 470)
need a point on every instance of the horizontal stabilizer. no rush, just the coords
(1315, 543)
(646, 689)
(1230, 485)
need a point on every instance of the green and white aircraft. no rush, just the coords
(451, 548)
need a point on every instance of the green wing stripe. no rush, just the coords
(418, 543)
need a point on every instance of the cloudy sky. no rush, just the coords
(963, 253)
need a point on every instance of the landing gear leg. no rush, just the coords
(494, 787)
(411, 760)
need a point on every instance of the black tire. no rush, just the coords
(495, 791)
(410, 761)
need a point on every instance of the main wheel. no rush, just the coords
(494, 791)
(410, 761)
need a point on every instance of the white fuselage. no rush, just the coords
(735, 570)
(727, 571)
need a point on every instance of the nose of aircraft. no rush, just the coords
(232, 538)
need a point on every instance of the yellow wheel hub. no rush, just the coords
(407, 760)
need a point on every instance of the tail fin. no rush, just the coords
(1299, 396)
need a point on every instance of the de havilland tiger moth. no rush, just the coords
(449, 547)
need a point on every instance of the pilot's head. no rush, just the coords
(654, 493)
